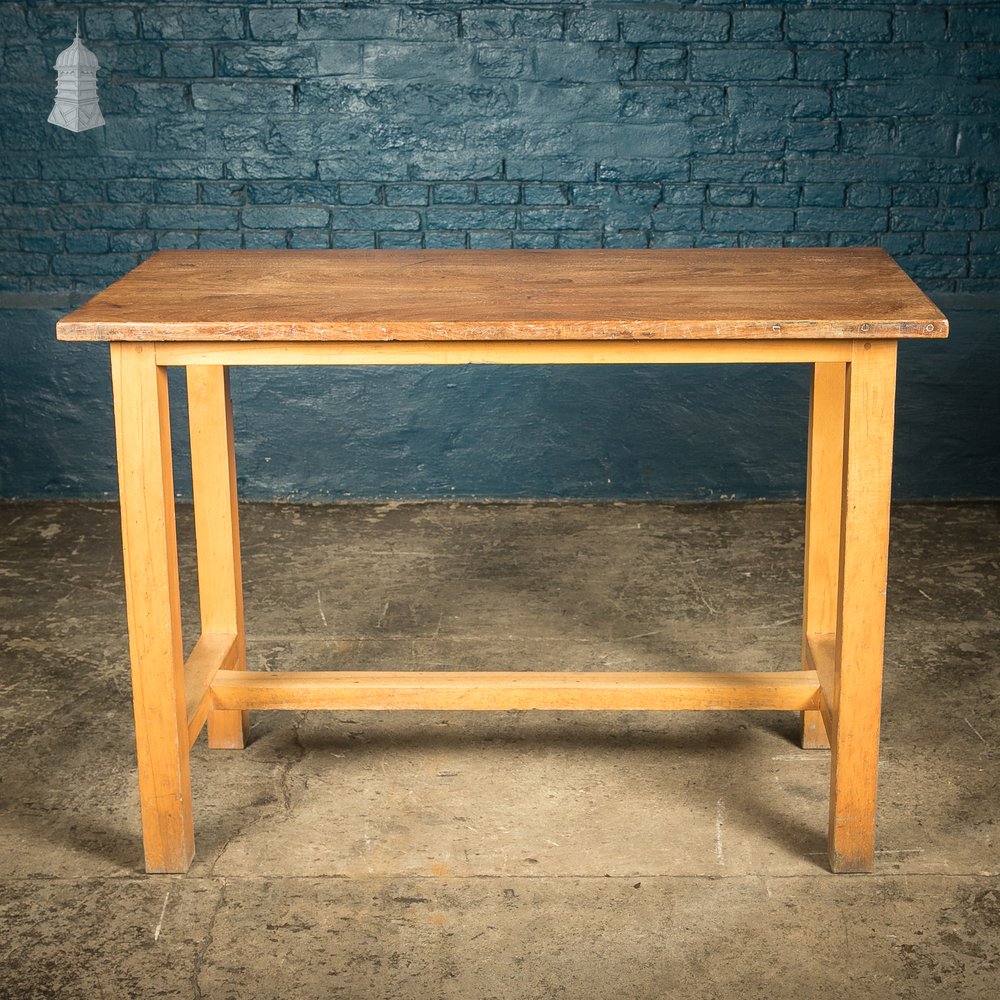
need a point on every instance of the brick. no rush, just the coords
(454, 194)
(677, 218)
(51, 24)
(137, 60)
(444, 241)
(358, 194)
(220, 241)
(980, 63)
(363, 167)
(494, 240)
(208, 23)
(821, 64)
(261, 167)
(730, 196)
(130, 242)
(742, 64)
(472, 217)
(779, 102)
(352, 241)
(187, 61)
(777, 196)
(289, 192)
(977, 140)
(399, 241)
(534, 241)
(642, 170)
(869, 195)
(659, 63)
(868, 137)
(678, 241)
(986, 242)
(671, 103)
(557, 218)
(426, 25)
(843, 219)
(176, 193)
(590, 24)
(105, 264)
(830, 24)
(374, 218)
(348, 23)
(675, 26)
(628, 239)
(923, 219)
(80, 191)
(126, 191)
(901, 243)
(68, 217)
(915, 196)
(116, 23)
(581, 63)
(263, 239)
(24, 263)
(972, 24)
(503, 61)
(763, 240)
(407, 194)
(35, 242)
(815, 136)
(87, 243)
(498, 22)
(199, 217)
(255, 97)
(956, 244)
(498, 194)
(761, 220)
(963, 196)
(545, 194)
(736, 170)
(254, 59)
(544, 168)
(285, 217)
(757, 26)
(580, 241)
(309, 239)
(414, 60)
(271, 25)
(918, 25)
(902, 62)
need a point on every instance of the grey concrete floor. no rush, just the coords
(503, 855)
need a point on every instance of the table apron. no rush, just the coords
(544, 352)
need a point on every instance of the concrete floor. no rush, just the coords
(502, 855)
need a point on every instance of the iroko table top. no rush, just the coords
(508, 295)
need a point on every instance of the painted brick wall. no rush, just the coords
(516, 124)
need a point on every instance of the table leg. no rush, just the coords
(824, 486)
(217, 531)
(149, 543)
(864, 544)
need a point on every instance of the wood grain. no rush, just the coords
(382, 295)
(217, 531)
(507, 690)
(824, 488)
(864, 550)
(149, 543)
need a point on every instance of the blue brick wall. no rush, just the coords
(512, 124)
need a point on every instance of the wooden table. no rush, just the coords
(840, 310)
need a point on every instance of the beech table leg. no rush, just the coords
(149, 542)
(864, 545)
(824, 486)
(217, 532)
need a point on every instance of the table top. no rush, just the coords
(421, 295)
